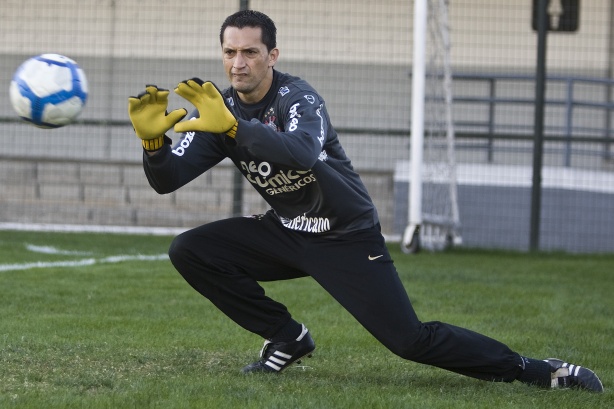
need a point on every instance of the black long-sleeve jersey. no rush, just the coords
(286, 147)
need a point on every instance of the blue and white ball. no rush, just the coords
(49, 90)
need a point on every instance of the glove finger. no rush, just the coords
(175, 116)
(157, 94)
(211, 91)
(185, 91)
(194, 85)
(162, 96)
(142, 94)
(134, 104)
(138, 103)
(185, 126)
(134, 101)
(196, 80)
(155, 87)
(151, 90)
(215, 86)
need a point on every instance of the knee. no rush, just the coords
(185, 247)
(406, 349)
(177, 249)
(194, 249)
(411, 345)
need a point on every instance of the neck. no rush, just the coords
(258, 94)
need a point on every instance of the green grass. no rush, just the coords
(133, 334)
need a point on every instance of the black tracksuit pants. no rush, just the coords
(224, 261)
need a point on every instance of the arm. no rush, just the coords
(170, 168)
(298, 144)
(304, 125)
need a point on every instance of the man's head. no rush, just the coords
(254, 19)
(248, 40)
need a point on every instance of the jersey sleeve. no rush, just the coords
(298, 143)
(192, 155)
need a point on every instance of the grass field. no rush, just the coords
(87, 321)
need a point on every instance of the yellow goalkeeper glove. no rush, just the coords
(214, 116)
(149, 117)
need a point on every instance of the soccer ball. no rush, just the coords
(49, 91)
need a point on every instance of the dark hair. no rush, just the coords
(252, 18)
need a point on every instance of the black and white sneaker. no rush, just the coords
(277, 356)
(565, 375)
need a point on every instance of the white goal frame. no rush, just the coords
(427, 229)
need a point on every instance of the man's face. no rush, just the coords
(247, 62)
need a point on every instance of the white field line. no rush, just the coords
(54, 250)
(81, 228)
(81, 263)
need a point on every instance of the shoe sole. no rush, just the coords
(298, 361)
(267, 369)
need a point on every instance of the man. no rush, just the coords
(322, 222)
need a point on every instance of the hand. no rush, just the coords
(149, 117)
(214, 116)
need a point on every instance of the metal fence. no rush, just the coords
(579, 111)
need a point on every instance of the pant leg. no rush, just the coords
(224, 261)
(358, 272)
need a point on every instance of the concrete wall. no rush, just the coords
(494, 203)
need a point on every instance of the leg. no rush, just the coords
(368, 286)
(224, 260)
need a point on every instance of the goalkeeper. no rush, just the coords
(276, 130)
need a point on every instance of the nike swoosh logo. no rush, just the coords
(371, 258)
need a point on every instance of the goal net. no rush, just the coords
(433, 221)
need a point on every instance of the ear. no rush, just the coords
(273, 55)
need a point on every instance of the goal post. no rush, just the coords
(433, 217)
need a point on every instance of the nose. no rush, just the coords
(239, 61)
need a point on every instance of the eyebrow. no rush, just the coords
(244, 49)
